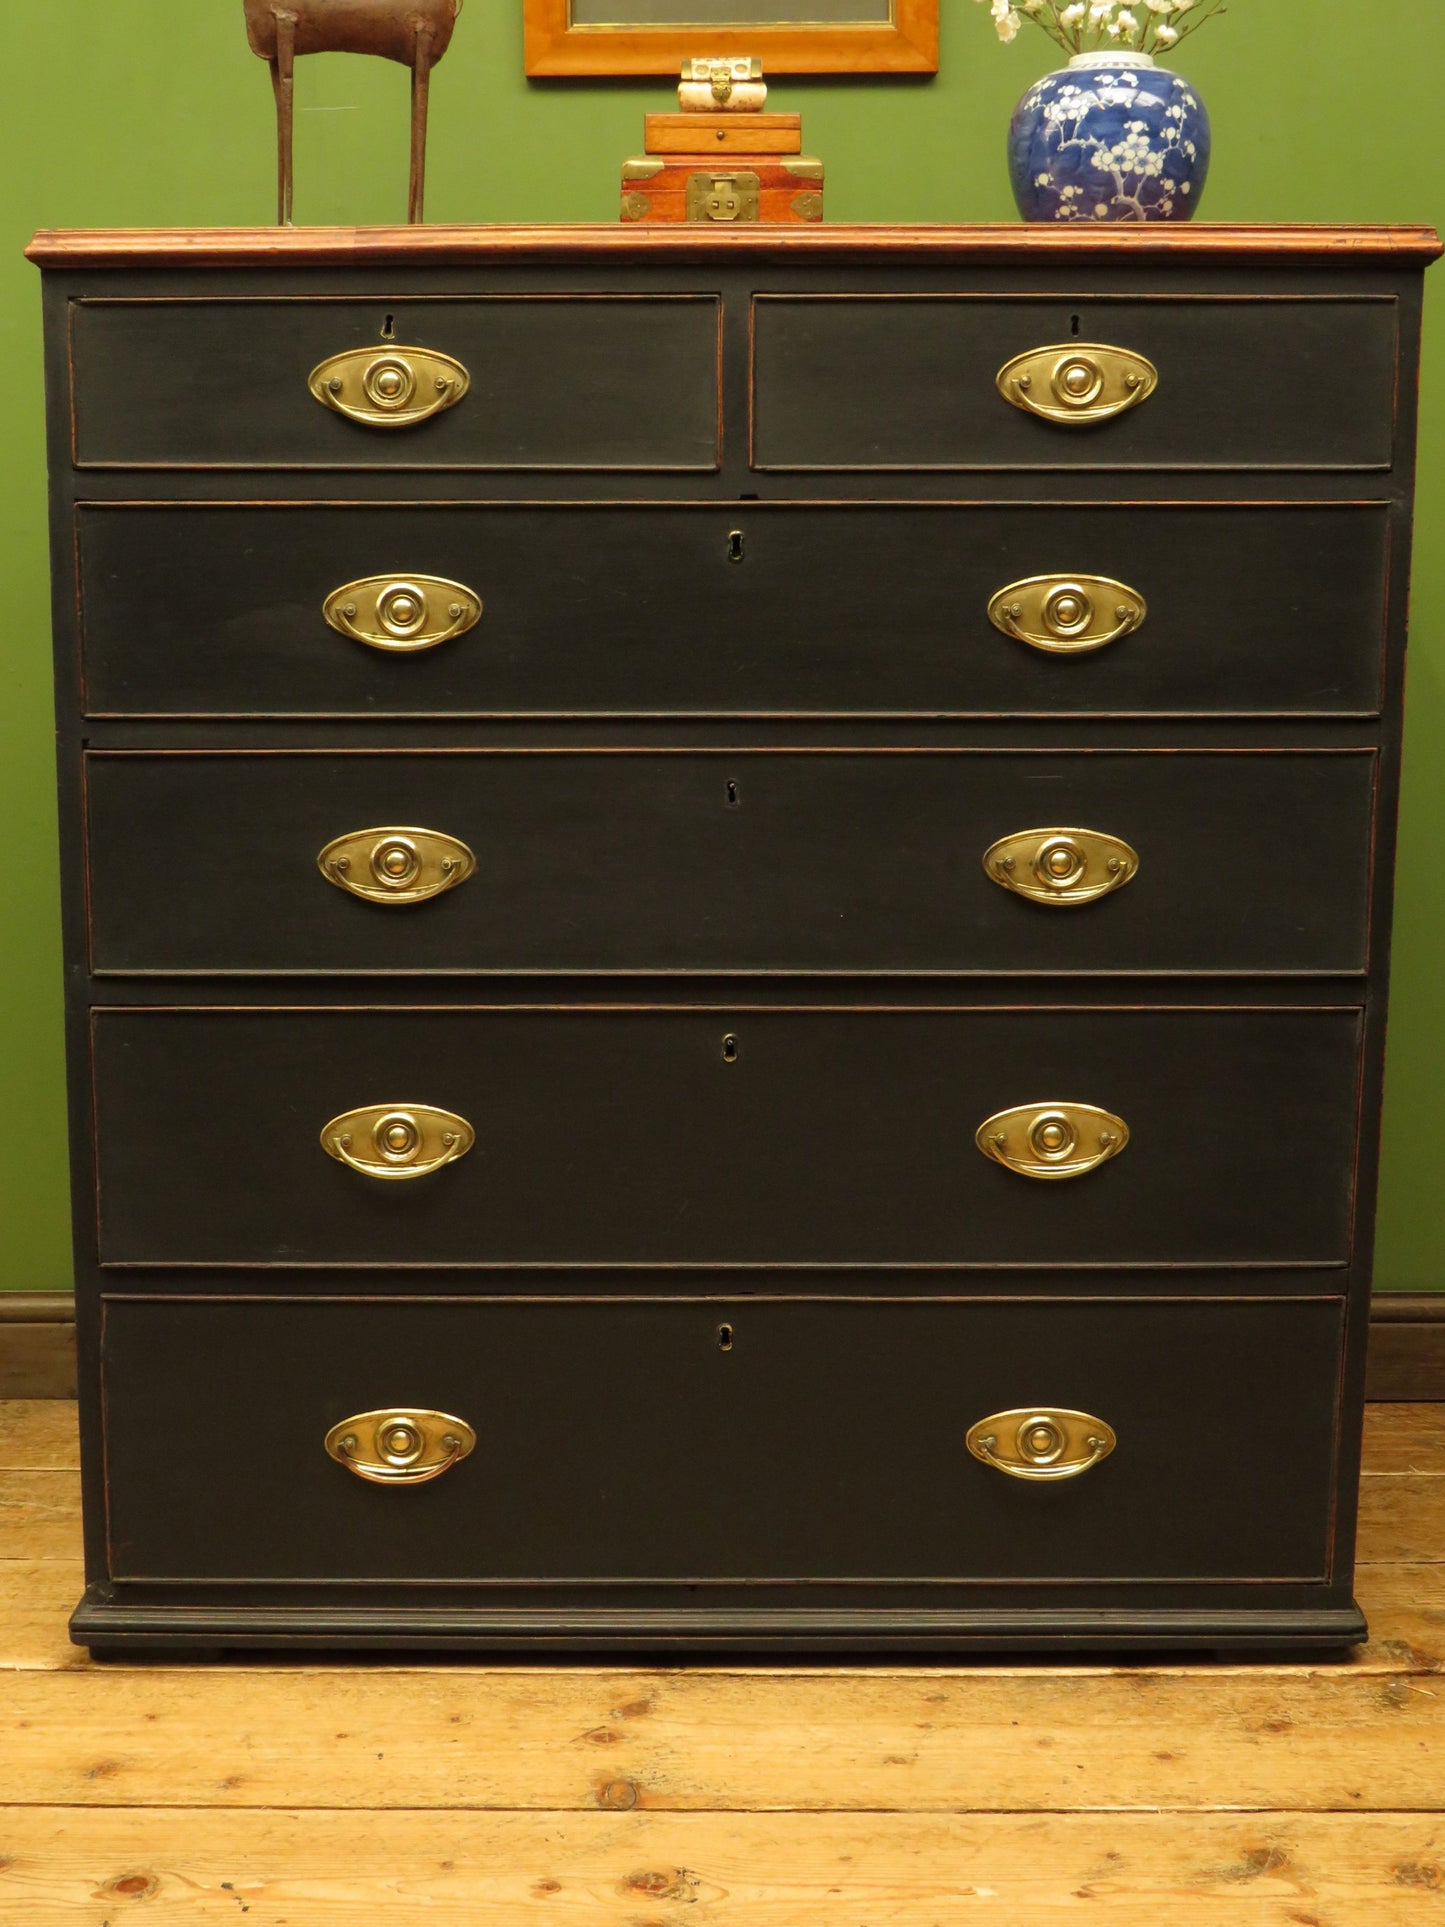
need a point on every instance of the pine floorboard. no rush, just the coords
(316, 1793)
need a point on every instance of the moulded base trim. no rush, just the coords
(109, 1628)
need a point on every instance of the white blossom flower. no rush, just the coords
(1165, 36)
(1072, 15)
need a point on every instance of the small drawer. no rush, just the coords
(697, 1136)
(531, 382)
(219, 609)
(613, 1444)
(902, 382)
(741, 860)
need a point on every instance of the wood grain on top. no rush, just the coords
(305, 246)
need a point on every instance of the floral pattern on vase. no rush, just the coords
(1109, 140)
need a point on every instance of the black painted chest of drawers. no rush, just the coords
(727, 905)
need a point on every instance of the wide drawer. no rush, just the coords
(912, 382)
(217, 609)
(581, 382)
(695, 1444)
(736, 860)
(692, 1135)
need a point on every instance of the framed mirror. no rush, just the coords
(789, 36)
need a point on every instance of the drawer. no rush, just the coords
(696, 1136)
(904, 382)
(738, 860)
(568, 382)
(673, 1443)
(217, 609)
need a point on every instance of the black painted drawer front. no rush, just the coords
(213, 610)
(735, 861)
(620, 1442)
(602, 382)
(899, 382)
(620, 1136)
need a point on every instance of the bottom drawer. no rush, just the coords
(701, 1443)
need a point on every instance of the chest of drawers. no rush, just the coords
(727, 902)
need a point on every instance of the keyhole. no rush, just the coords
(388, 332)
(735, 545)
(725, 1338)
(1075, 328)
(732, 796)
(730, 1049)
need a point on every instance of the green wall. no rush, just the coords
(150, 112)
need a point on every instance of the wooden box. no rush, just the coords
(731, 189)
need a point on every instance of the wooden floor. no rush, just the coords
(312, 1795)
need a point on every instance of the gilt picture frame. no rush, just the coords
(619, 37)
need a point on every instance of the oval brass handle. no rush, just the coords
(396, 865)
(1068, 615)
(397, 1140)
(1041, 1442)
(1052, 1140)
(399, 1446)
(402, 612)
(389, 387)
(1062, 867)
(1077, 382)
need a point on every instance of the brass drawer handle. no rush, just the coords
(1067, 614)
(1041, 1443)
(1052, 1140)
(402, 612)
(389, 387)
(396, 865)
(1077, 382)
(397, 1140)
(399, 1446)
(1063, 867)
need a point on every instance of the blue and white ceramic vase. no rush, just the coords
(1110, 137)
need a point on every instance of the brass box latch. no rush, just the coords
(722, 197)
